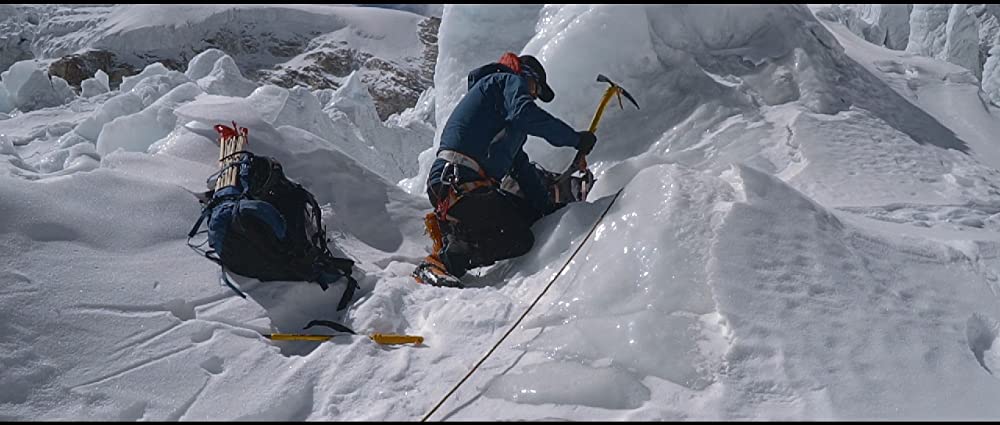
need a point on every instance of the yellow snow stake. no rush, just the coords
(391, 339)
(380, 338)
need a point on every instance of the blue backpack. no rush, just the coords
(268, 227)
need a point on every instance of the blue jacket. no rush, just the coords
(500, 100)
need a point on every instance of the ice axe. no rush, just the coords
(580, 161)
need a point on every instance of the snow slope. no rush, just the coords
(422, 9)
(153, 29)
(806, 230)
(963, 34)
(311, 45)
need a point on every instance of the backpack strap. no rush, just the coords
(210, 253)
(225, 279)
(325, 258)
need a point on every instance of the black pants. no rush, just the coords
(492, 226)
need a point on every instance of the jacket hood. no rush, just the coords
(485, 70)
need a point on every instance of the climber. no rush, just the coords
(476, 223)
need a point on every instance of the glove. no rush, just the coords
(587, 142)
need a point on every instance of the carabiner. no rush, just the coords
(449, 179)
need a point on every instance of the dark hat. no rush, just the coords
(535, 70)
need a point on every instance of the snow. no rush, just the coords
(99, 84)
(156, 86)
(882, 24)
(18, 74)
(119, 105)
(103, 79)
(962, 46)
(963, 34)
(166, 30)
(991, 76)
(136, 132)
(421, 114)
(7, 147)
(894, 18)
(16, 27)
(394, 46)
(282, 44)
(352, 99)
(28, 87)
(129, 83)
(422, 9)
(6, 103)
(988, 20)
(203, 64)
(225, 79)
(351, 112)
(946, 32)
(807, 229)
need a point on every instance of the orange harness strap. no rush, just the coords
(457, 190)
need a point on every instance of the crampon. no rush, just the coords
(432, 272)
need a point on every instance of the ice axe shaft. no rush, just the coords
(612, 91)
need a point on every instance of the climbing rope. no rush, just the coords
(523, 315)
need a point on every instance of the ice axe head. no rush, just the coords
(579, 161)
(620, 91)
(613, 90)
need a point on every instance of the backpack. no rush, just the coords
(268, 227)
